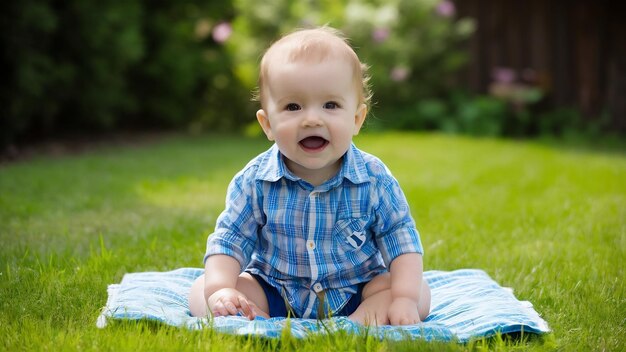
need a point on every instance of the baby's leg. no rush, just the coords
(373, 310)
(377, 299)
(246, 284)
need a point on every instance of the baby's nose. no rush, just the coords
(312, 119)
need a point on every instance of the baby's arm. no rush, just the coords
(406, 283)
(220, 280)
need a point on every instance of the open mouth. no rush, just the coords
(313, 143)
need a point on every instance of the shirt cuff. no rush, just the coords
(222, 245)
(402, 241)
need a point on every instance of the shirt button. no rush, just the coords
(310, 245)
(318, 287)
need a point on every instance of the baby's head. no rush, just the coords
(313, 46)
(314, 94)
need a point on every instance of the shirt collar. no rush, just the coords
(353, 167)
(272, 167)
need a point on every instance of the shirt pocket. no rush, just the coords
(353, 240)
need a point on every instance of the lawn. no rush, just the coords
(545, 219)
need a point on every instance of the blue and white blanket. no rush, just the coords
(466, 304)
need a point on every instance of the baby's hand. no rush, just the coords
(403, 311)
(229, 301)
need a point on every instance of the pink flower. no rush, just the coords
(503, 75)
(221, 32)
(399, 73)
(379, 35)
(445, 8)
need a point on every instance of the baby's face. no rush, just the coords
(311, 112)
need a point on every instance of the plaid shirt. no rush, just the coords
(305, 240)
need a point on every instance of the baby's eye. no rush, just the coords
(292, 107)
(331, 105)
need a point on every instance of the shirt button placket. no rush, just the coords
(310, 245)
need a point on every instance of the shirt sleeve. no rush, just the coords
(236, 228)
(394, 227)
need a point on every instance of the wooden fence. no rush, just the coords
(574, 50)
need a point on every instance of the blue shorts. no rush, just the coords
(278, 307)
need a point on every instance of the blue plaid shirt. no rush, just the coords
(303, 239)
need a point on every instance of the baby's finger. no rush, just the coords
(218, 310)
(231, 308)
(245, 308)
(257, 311)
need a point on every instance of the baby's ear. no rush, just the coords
(359, 118)
(264, 121)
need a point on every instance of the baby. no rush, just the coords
(314, 227)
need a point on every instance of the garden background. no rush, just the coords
(123, 121)
(478, 66)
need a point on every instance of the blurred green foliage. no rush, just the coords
(76, 66)
(456, 113)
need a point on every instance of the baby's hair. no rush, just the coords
(314, 45)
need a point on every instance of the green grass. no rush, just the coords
(546, 220)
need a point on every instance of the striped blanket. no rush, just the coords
(466, 304)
